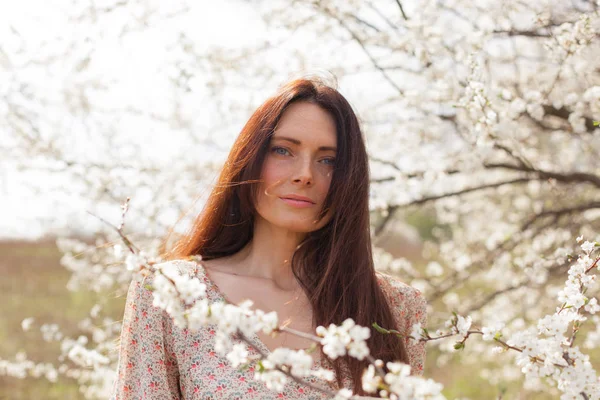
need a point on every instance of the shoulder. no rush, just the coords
(404, 300)
(141, 286)
(171, 269)
(152, 294)
(178, 267)
(396, 288)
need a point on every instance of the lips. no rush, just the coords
(297, 201)
(297, 198)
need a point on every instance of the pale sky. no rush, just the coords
(27, 214)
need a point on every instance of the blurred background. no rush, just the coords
(480, 126)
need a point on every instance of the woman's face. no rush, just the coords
(299, 163)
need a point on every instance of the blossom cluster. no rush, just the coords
(298, 363)
(548, 350)
(347, 338)
(400, 385)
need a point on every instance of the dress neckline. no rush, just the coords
(200, 268)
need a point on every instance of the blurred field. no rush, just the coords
(33, 285)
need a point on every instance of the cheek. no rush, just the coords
(272, 176)
(327, 180)
(273, 173)
(323, 183)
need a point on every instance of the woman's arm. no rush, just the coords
(147, 366)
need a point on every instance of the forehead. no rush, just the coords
(307, 122)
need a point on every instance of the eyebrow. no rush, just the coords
(296, 141)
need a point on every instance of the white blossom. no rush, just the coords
(434, 269)
(489, 332)
(274, 380)
(135, 262)
(343, 394)
(587, 246)
(26, 323)
(370, 380)
(416, 333)
(238, 355)
(337, 340)
(592, 306)
(463, 325)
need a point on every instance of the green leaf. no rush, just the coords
(596, 123)
(379, 328)
(498, 335)
(459, 346)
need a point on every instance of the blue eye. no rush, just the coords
(331, 161)
(277, 150)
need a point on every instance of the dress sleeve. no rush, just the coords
(147, 366)
(409, 307)
(417, 313)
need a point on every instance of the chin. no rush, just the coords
(298, 226)
(301, 222)
(293, 223)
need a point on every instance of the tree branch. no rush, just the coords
(328, 392)
(559, 213)
(392, 209)
(464, 191)
(516, 32)
(402, 10)
(364, 48)
(564, 113)
(573, 177)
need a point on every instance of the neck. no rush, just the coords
(268, 255)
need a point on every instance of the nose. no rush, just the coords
(303, 174)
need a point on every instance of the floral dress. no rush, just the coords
(159, 360)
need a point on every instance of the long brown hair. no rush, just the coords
(334, 265)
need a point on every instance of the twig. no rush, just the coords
(119, 229)
(402, 10)
(328, 392)
(560, 212)
(364, 48)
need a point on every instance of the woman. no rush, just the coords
(287, 226)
